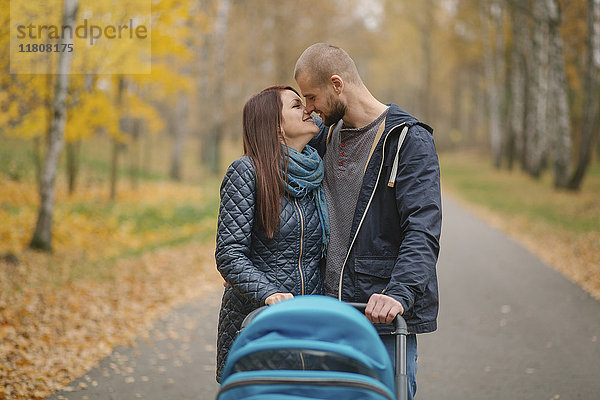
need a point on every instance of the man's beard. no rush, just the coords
(338, 110)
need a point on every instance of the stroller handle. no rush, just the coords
(399, 323)
(251, 316)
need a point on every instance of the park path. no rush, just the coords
(510, 327)
(175, 362)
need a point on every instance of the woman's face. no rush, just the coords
(298, 126)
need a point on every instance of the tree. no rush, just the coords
(116, 140)
(560, 125)
(212, 140)
(42, 236)
(518, 87)
(493, 50)
(592, 93)
(178, 130)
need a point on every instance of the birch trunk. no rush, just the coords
(560, 120)
(592, 92)
(518, 88)
(42, 236)
(537, 140)
(494, 70)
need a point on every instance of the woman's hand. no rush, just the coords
(277, 297)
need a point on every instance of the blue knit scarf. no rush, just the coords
(305, 173)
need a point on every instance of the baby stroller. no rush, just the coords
(313, 347)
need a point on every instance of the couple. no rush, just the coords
(348, 206)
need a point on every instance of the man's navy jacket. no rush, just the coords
(394, 241)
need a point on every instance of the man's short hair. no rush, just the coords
(322, 60)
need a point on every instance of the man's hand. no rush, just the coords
(277, 297)
(382, 309)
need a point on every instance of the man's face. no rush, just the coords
(322, 101)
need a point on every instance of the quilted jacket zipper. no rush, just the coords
(301, 246)
(365, 212)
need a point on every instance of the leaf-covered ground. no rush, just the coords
(50, 335)
(115, 268)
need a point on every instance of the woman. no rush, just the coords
(273, 224)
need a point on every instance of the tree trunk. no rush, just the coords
(178, 129)
(114, 166)
(134, 153)
(518, 88)
(472, 117)
(202, 115)
(494, 70)
(537, 140)
(526, 27)
(456, 119)
(212, 142)
(560, 125)
(42, 236)
(116, 144)
(73, 150)
(37, 158)
(147, 153)
(592, 93)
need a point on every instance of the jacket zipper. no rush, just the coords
(301, 246)
(365, 212)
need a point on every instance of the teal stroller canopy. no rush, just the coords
(309, 347)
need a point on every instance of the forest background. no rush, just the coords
(109, 181)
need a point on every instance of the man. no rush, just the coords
(382, 185)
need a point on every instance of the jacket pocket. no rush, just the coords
(372, 275)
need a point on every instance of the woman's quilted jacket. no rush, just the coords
(255, 266)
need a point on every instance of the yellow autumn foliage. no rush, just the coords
(103, 231)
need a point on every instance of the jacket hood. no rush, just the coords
(397, 116)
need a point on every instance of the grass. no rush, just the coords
(153, 160)
(90, 233)
(515, 193)
(16, 159)
(561, 227)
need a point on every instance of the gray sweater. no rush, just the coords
(345, 161)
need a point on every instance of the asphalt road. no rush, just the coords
(510, 327)
(175, 362)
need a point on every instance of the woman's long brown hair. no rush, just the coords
(262, 119)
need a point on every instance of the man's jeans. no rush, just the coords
(411, 359)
